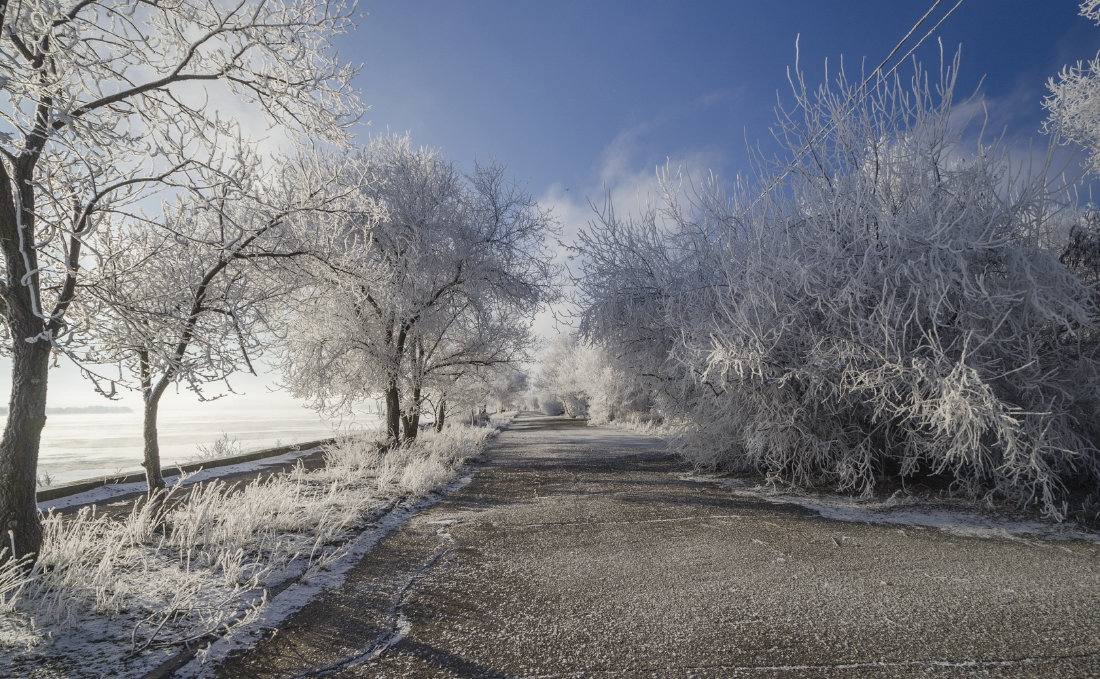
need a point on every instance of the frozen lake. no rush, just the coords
(82, 446)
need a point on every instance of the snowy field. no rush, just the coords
(83, 446)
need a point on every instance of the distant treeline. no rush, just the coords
(83, 410)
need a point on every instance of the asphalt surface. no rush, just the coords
(579, 551)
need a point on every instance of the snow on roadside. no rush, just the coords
(294, 598)
(908, 511)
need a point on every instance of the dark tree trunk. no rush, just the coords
(152, 446)
(412, 420)
(20, 526)
(440, 413)
(408, 427)
(393, 396)
(393, 413)
(19, 518)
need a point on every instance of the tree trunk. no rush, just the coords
(440, 412)
(152, 445)
(393, 413)
(19, 520)
(412, 421)
(20, 526)
(151, 397)
(393, 397)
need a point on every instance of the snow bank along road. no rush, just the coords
(578, 551)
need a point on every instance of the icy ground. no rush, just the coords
(576, 551)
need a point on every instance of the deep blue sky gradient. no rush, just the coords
(548, 87)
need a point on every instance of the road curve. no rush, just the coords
(580, 552)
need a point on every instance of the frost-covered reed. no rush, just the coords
(191, 563)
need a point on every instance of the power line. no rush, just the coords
(860, 92)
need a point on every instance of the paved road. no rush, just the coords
(579, 551)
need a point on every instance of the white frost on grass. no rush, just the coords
(111, 597)
(111, 491)
(909, 511)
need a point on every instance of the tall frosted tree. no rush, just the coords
(191, 303)
(413, 284)
(103, 103)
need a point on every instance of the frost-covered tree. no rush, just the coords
(887, 308)
(558, 385)
(101, 103)
(458, 355)
(190, 302)
(469, 397)
(648, 277)
(580, 379)
(1073, 105)
(564, 378)
(435, 263)
(507, 388)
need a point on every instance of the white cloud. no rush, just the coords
(632, 186)
(995, 124)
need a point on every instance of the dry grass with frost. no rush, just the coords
(118, 595)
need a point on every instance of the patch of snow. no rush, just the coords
(907, 511)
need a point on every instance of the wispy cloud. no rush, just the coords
(623, 177)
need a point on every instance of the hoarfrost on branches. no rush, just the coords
(1073, 105)
(890, 310)
(434, 281)
(105, 103)
(193, 300)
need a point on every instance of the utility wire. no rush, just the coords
(861, 93)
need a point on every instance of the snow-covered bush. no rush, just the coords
(885, 308)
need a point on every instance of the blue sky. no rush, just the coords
(559, 90)
(583, 97)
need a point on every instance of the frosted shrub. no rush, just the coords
(887, 310)
(422, 474)
(220, 448)
(435, 456)
(503, 419)
(353, 454)
(579, 379)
